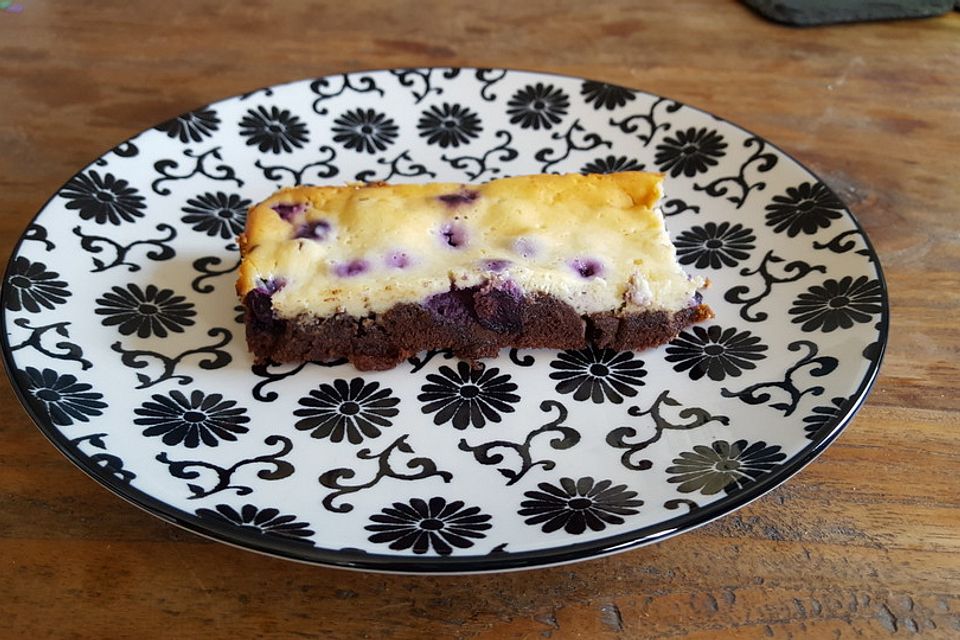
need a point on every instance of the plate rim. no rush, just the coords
(356, 559)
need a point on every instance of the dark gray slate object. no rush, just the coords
(815, 12)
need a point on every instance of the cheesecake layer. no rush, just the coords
(596, 242)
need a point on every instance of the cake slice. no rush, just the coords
(375, 273)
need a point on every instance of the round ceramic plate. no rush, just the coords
(123, 336)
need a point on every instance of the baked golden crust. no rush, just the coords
(596, 242)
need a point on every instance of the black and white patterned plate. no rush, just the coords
(122, 336)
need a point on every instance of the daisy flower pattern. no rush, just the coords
(365, 131)
(606, 96)
(690, 152)
(449, 125)
(715, 245)
(723, 466)
(422, 526)
(822, 416)
(264, 521)
(274, 130)
(104, 199)
(353, 410)
(611, 164)
(538, 106)
(807, 208)
(468, 397)
(191, 126)
(33, 288)
(715, 352)
(838, 304)
(147, 312)
(200, 419)
(598, 375)
(576, 506)
(62, 398)
(217, 214)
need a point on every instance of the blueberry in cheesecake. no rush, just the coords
(375, 273)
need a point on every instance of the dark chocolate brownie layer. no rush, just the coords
(473, 323)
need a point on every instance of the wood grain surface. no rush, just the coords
(864, 543)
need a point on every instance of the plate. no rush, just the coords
(123, 336)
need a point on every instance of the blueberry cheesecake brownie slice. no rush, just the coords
(375, 273)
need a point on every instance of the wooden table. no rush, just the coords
(863, 543)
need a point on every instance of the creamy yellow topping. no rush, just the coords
(596, 242)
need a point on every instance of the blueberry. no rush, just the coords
(495, 306)
(454, 306)
(351, 268)
(496, 265)
(288, 210)
(261, 310)
(525, 247)
(587, 267)
(270, 286)
(464, 196)
(315, 230)
(498, 306)
(260, 306)
(398, 260)
(454, 235)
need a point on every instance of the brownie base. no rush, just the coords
(382, 341)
